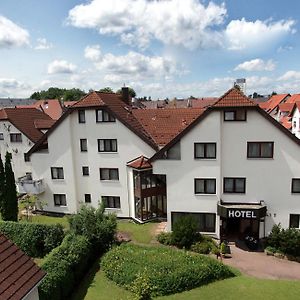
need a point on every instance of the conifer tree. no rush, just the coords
(10, 200)
(2, 181)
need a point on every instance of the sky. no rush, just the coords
(161, 48)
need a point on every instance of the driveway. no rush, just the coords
(259, 265)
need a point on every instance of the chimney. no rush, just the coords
(125, 95)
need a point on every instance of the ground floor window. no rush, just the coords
(111, 201)
(294, 221)
(206, 222)
(60, 200)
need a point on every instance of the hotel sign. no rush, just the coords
(236, 213)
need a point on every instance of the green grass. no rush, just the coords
(50, 220)
(139, 233)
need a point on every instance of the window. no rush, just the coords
(57, 173)
(173, 152)
(60, 200)
(106, 145)
(296, 185)
(81, 116)
(109, 174)
(26, 157)
(206, 222)
(1, 136)
(235, 115)
(87, 198)
(234, 185)
(16, 138)
(205, 150)
(260, 149)
(85, 171)
(295, 221)
(111, 201)
(83, 145)
(205, 186)
(104, 116)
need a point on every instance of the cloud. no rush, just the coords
(133, 65)
(92, 53)
(290, 75)
(241, 34)
(12, 35)
(187, 23)
(61, 67)
(43, 44)
(256, 65)
(11, 87)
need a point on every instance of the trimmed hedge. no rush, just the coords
(65, 266)
(36, 240)
(168, 271)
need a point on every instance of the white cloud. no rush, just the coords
(290, 75)
(43, 44)
(12, 35)
(256, 65)
(11, 87)
(241, 34)
(187, 23)
(92, 53)
(61, 67)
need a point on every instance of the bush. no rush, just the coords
(98, 227)
(285, 241)
(165, 238)
(141, 287)
(185, 232)
(202, 247)
(65, 267)
(167, 270)
(36, 240)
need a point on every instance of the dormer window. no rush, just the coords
(235, 115)
(104, 116)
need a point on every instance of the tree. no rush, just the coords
(10, 207)
(2, 184)
(132, 92)
(106, 90)
(73, 95)
(58, 93)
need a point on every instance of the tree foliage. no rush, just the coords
(132, 92)
(9, 207)
(106, 90)
(58, 93)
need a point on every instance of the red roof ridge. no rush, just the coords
(141, 162)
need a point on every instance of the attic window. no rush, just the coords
(173, 152)
(235, 115)
(15, 138)
(104, 116)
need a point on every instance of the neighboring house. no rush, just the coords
(234, 168)
(271, 106)
(231, 165)
(13, 102)
(295, 122)
(51, 107)
(20, 129)
(19, 275)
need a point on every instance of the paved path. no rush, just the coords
(161, 227)
(259, 265)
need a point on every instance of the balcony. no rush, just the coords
(25, 185)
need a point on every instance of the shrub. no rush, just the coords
(185, 232)
(165, 238)
(65, 266)
(167, 270)
(141, 287)
(36, 240)
(202, 247)
(98, 227)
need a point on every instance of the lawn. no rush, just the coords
(50, 220)
(139, 233)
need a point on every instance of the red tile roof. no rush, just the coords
(43, 124)
(51, 107)
(18, 272)
(286, 122)
(286, 107)
(203, 102)
(164, 124)
(234, 98)
(293, 99)
(274, 101)
(69, 103)
(24, 119)
(140, 163)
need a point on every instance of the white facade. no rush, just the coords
(64, 151)
(296, 122)
(267, 179)
(33, 294)
(17, 149)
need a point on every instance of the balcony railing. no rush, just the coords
(26, 185)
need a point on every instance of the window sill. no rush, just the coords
(108, 152)
(109, 180)
(112, 208)
(205, 194)
(234, 193)
(260, 158)
(63, 206)
(206, 159)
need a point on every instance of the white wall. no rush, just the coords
(64, 151)
(296, 119)
(20, 167)
(33, 295)
(266, 179)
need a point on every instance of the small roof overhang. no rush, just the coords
(242, 210)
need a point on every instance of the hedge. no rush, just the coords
(168, 270)
(65, 266)
(36, 240)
